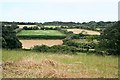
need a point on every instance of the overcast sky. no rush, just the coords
(58, 10)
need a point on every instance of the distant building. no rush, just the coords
(119, 10)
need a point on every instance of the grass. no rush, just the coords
(41, 34)
(52, 26)
(26, 64)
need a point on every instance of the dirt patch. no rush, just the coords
(27, 44)
(77, 31)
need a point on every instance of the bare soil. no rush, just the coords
(27, 44)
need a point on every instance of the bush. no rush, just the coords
(57, 49)
(81, 46)
(31, 28)
(40, 37)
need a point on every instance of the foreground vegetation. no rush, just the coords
(28, 64)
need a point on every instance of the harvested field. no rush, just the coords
(27, 44)
(21, 26)
(90, 32)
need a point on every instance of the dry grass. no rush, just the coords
(21, 26)
(26, 64)
(90, 32)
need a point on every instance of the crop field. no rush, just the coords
(28, 64)
(41, 34)
(21, 26)
(51, 26)
(84, 40)
(89, 32)
(27, 44)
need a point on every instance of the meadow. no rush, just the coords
(51, 26)
(41, 34)
(28, 64)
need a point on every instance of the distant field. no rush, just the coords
(21, 26)
(27, 44)
(41, 34)
(52, 26)
(89, 32)
(28, 64)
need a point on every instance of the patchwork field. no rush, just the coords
(21, 26)
(27, 44)
(27, 64)
(89, 32)
(51, 26)
(41, 34)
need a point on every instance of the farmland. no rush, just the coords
(89, 32)
(51, 26)
(75, 51)
(27, 64)
(41, 34)
(21, 26)
(27, 44)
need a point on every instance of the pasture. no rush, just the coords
(47, 34)
(51, 26)
(28, 64)
(89, 32)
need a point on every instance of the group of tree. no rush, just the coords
(110, 40)
(9, 38)
(62, 24)
(39, 28)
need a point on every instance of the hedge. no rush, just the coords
(40, 37)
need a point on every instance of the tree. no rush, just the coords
(110, 39)
(9, 39)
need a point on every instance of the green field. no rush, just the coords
(52, 26)
(53, 34)
(28, 64)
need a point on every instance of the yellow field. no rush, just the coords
(90, 32)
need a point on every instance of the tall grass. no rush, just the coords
(92, 65)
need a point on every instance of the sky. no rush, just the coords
(58, 10)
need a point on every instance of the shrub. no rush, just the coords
(56, 48)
